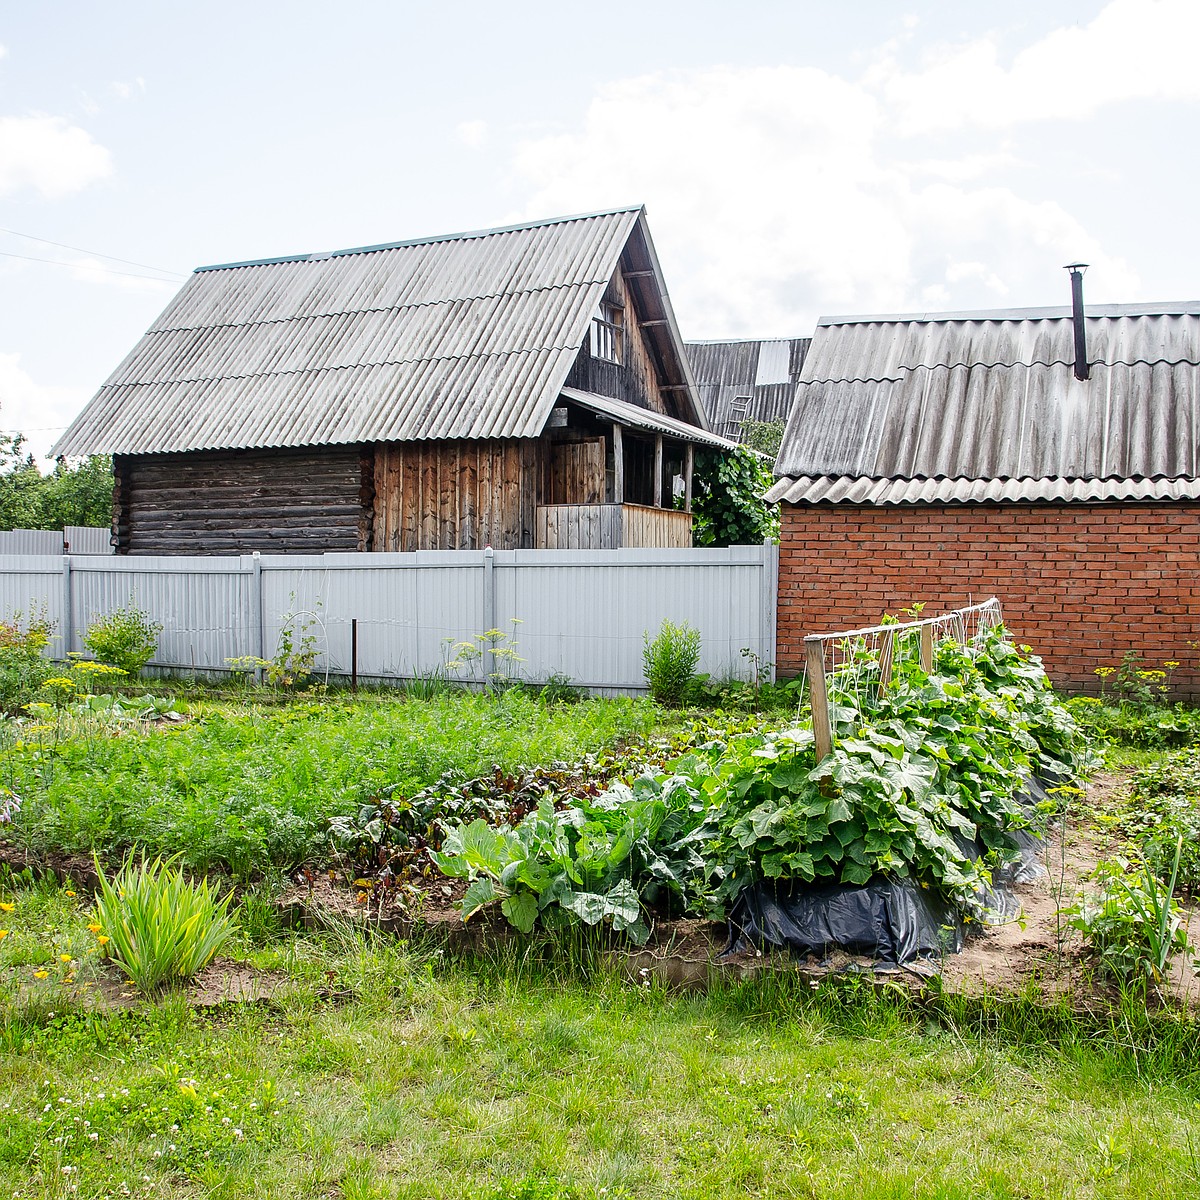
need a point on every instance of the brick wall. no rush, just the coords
(1081, 584)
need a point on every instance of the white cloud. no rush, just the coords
(124, 90)
(41, 410)
(774, 198)
(1132, 50)
(49, 155)
(471, 133)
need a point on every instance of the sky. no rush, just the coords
(796, 159)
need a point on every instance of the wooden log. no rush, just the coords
(927, 649)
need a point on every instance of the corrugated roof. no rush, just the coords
(763, 370)
(993, 397)
(844, 489)
(644, 418)
(462, 336)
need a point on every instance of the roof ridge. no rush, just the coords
(433, 239)
(912, 368)
(1148, 308)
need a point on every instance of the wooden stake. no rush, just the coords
(927, 649)
(887, 650)
(818, 697)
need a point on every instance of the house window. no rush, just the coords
(607, 333)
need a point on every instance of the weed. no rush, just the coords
(670, 661)
(1135, 926)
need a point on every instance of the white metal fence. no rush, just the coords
(79, 539)
(582, 613)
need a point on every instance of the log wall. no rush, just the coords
(238, 501)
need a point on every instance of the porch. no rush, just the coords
(610, 527)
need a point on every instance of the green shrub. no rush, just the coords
(670, 661)
(23, 669)
(126, 638)
(160, 926)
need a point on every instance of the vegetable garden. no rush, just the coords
(579, 839)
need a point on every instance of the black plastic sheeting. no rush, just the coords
(893, 921)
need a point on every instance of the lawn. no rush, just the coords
(373, 1067)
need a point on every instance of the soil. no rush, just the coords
(1039, 949)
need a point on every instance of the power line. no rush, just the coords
(96, 253)
(57, 262)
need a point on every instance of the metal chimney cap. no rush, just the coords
(1080, 267)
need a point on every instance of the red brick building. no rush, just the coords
(947, 458)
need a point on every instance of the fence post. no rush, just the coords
(489, 612)
(68, 618)
(770, 584)
(927, 649)
(818, 698)
(256, 614)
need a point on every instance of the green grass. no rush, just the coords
(489, 1080)
(252, 790)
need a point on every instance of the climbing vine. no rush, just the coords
(728, 499)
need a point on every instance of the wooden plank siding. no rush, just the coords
(238, 501)
(610, 527)
(455, 495)
(636, 378)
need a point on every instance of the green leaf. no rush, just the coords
(478, 895)
(521, 911)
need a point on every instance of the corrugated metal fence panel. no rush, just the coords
(582, 614)
(203, 604)
(88, 539)
(31, 585)
(410, 608)
(31, 541)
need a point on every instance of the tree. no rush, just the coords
(763, 436)
(728, 504)
(72, 494)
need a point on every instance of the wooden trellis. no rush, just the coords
(964, 625)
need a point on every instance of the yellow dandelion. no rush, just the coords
(64, 958)
(40, 974)
(6, 907)
(71, 894)
(94, 928)
(69, 979)
(102, 940)
(3, 934)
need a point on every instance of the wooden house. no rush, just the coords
(523, 387)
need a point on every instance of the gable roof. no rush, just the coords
(763, 370)
(888, 407)
(468, 335)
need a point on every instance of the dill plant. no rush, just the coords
(159, 926)
(670, 661)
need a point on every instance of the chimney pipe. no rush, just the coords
(1081, 362)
